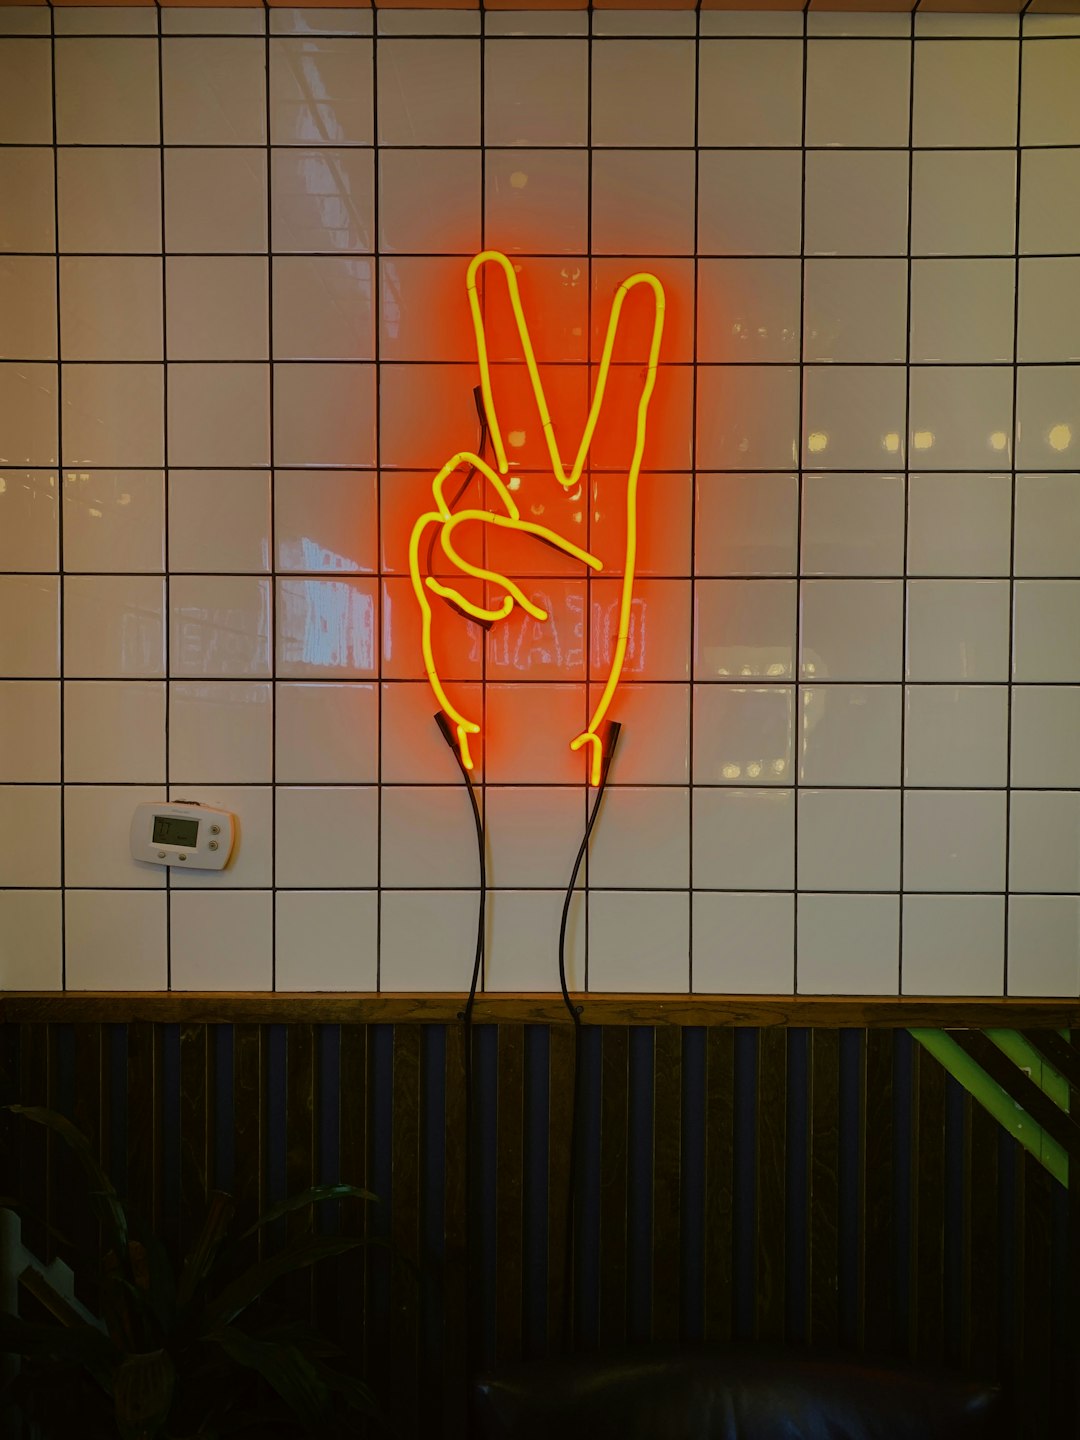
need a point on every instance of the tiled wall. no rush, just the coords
(851, 754)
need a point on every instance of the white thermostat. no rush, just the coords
(182, 832)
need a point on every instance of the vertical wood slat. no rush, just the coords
(353, 1129)
(927, 1319)
(405, 1227)
(509, 1204)
(142, 1129)
(1073, 1341)
(666, 1206)
(614, 1120)
(248, 1107)
(1035, 1350)
(719, 1197)
(771, 1150)
(823, 1292)
(876, 1282)
(32, 1139)
(560, 1105)
(300, 1150)
(455, 1240)
(67, 1188)
(196, 1127)
(981, 1283)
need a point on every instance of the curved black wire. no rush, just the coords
(575, 1015)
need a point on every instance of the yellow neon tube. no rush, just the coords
(447, 521)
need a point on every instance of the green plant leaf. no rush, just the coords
(200, 1258)
(314, 1196)
(247, 1288)
(143, 1390)
(356, 1395)
(79, 1344)
(284, 1367)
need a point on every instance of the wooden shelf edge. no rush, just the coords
(863, 1011)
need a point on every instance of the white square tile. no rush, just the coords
(743, 735)
(114, 626)
(428, 940)
(428, 22)
(749, 202)
(427, 837)
(217, 307)
(849, 840)
(617, 857)
(423, 308)
(25, 20)
(643, 94)
(327, 836)
(750, 92)
(744, 839)
(852, 525)
(219, 414)
(1048, 524)
(1050, 98)
(28, 297)
(744, 944)
(850, 734)
(1048, 417)
(28, 173)
(658, 643)
(856, 202)
(116, 940)
(639, 940)
(107, 92)
(413, 749)
(769, 23)
(347, 21)
(962, 310)
(857, 92)
(748, 310)
(214, 91)
(1044, 750)
(221, 941)
(219, 626)
(848, 944)
(26, 88)
(114, 731)
(327, 734)
(534, 833)
(251, 863)
(323, 201)
(536, 92)
(326, 628)
(426, 413)
(321, 91)
(534, 22)
(963, 202)
(109, 201)
(113, 415)
(954, 840)
(516, 750)
(430, 200)
(219, 520)
(1050, 202)
(536, 200)
(618, 21)
(203, 20)
(853, 416)
(110, 307)
(956, 736)
(744, 629)
(220, 732)
(326, 520)
(97, 847)
(324, 414)
(746, 525)
(1046, 631)
(965, 93)
(29, 520)
(954, 945)
(31, 940)
(1049, 315)
(958, 630)
(109, 20)
(324, 308)
(522, 950)
(851, 629)
(747, 417)
(30, 841)
(429, 92)
(114, 520)
(1044, 945)
(961, 416)
(959, 524)
(28, 419)
(855, 310)
(29, 730)
(654, 747)
(327, 940)
(215, 200)
(1044, 840)
(643, 202)
(31, 649)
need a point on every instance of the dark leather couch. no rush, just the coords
(734, 1394)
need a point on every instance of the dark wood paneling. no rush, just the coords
(196, 1126)
(509, 1211)
(876, 1262)
(770, 1190)
(560, 1106)
(719, 1196)
(666, 1208)
(927, 1209)
(824, 1181)
(247, 1121)
(353, 1167)
(405, 1227)
(982, 1286)
(614, 1120)
(455, 1239)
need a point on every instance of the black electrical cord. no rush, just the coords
(478, 401)
(610, 743)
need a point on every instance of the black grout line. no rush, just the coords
(668, 366)
(165, 473)
(796, 758)
(587, 480)
(270, 417)
(59, 492)
(380, 619)
(695, 347)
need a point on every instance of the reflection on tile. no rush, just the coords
(29, 529)
(748, 310)
(323, 201)
(219, 626)
(430, 200)
(742, 735)
(961, 416)
(114, 626)
(1048, 417)
(853, 417)
(321, 92)
(536, 200)
(744, 629)
(28, 419)
(325, 520)
(851, 629)
(323, 308)
(849, 734)
(114, 520)
(326, 628)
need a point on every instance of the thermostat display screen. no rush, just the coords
(168, 830)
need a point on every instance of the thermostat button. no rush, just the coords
(212, 845)
(215, 830)
(181, 857)
(161, 854)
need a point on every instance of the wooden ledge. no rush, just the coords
(827, 1011)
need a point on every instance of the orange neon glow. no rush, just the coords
(448, 520)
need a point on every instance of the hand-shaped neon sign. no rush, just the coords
(448, 520)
